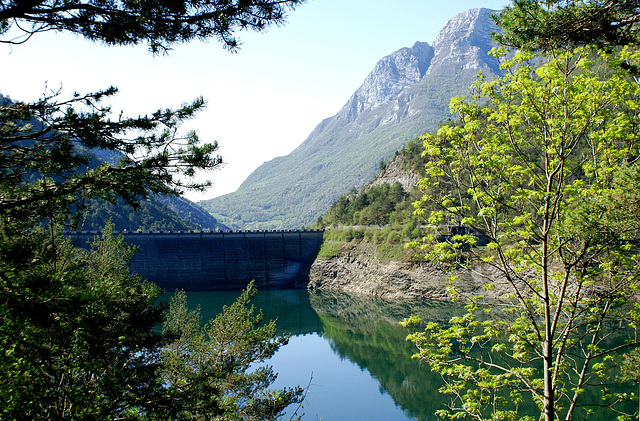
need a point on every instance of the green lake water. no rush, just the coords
(350, 352)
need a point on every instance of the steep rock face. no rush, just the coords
(388, 79)
(406, 95)
(463, 43)
(395, 172)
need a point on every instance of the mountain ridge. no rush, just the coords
(405, 95)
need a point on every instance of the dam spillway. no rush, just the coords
(209, 261)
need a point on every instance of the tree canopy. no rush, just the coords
(79, 340)
(551, 24)
(157, 23)
(547, 172)
(79, 334)
(49, 163)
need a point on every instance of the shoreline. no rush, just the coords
(356, 269)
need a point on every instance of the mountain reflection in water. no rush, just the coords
(352, 354)
(350, 350)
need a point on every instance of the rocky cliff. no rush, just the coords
(406, 94)
(357, 269)
(462, 45)
(396, 171)
(389, 78)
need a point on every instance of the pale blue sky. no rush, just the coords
(263, 101)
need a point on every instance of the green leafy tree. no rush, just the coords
(546, 170)
(551, 24)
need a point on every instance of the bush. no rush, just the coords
(330, 248)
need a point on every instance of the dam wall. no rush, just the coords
(207, 261)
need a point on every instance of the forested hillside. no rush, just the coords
(382, 211)
(382, 201)
(155, 213)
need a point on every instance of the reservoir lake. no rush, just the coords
(348, 351)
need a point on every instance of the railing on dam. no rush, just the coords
(200, 260)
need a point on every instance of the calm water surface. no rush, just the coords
(350, 352)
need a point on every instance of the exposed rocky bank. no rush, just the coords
(356, 269)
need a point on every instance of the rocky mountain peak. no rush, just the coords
(463, 43)
(406, 94)
(390, 76)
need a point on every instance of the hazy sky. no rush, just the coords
(263, 101)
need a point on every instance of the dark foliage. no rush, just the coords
(79, 335)
(47, 163)
(551, 24)
(77, 330)
(79, 340)
(158, 23)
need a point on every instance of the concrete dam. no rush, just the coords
(209, 261)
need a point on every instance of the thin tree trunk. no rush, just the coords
(548, 400)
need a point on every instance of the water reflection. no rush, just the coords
(350, 349)
(365, 330)
(291, 308)
(352, 353)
